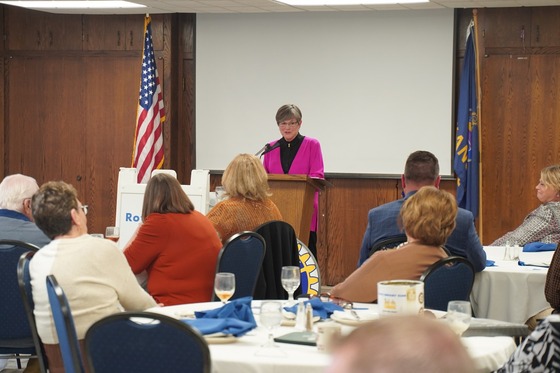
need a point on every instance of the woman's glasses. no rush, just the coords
(326, 297)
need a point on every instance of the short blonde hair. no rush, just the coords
(429, 215)
(245, 177)
(551, 176)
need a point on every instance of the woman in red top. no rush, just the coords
(176, 245)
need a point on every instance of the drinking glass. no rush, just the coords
(220, 193)
(270, 318)
(458, 316)
(112, 233)
(290, 281)
(224, 285)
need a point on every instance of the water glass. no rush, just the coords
(224, 286)
(270, 317)
(459, 316)
(291, 278)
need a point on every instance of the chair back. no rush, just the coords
(309, 268)
(24, 282)
(16, 335)
(242, 255)
(145, 342)
(447, 279)
(281, 250)
(387, 243)
(65, 329)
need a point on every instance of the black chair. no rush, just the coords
(16, 335)
(65, 329)
(447, 279)
(281, 250)
(24, 282)
(242, 255)
(145, 342)
(387, 243)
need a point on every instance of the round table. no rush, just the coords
(507, 291)
(489, 353)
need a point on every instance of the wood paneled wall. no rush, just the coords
(519, 58)
(68, 107)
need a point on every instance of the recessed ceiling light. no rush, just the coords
(349, 2)
(101, 4)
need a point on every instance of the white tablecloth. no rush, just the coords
(508, 291)
(489, 353)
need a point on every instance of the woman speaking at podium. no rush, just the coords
(296, 154)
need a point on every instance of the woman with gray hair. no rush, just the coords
(543, 223)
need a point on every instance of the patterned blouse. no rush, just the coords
(541, 225)
(539, 351)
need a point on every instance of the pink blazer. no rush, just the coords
(308, 161)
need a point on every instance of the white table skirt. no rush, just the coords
(507, 291)
(489, 353)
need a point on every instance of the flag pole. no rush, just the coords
(479, 100)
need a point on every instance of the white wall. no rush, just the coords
(372, 86)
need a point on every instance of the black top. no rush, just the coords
(288, 151)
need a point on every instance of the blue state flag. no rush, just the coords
(467, 154)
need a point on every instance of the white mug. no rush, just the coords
(327, 334)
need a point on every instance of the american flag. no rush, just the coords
(148, 139)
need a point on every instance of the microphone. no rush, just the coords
(271, 148)
(262, 150)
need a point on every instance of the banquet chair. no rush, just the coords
(310, 273)
(145, 342)
(281, 250)
(242, 255)
(16, 334)
(447, 279)
(24, 282)
(387, 243)
(65, 329)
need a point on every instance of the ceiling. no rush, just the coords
(271, 6)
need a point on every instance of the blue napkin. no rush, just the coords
(235, 317)
(539, 246)
(228, 325)
(322, 309)
(490, 263)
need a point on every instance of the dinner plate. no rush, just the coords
(347, 318)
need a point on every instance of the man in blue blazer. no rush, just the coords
(16, 221)
(422, 169)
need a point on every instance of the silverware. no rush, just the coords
(355, 314)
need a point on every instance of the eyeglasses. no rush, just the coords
(289, 124)
(84, 209)
(326, 297)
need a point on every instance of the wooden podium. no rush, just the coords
(294, 195)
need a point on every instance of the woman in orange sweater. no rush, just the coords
(248, 205)
(176, 245)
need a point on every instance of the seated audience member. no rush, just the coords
(428, 218)
(16, 223)
(92, 271)
(248, 205)
(16, 220)
(422, 169)
(543, 223)
(176, 245)
(401, 344)
(539, 351)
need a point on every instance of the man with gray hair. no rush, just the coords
(16, 221)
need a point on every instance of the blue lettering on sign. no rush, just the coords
(131, 218)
